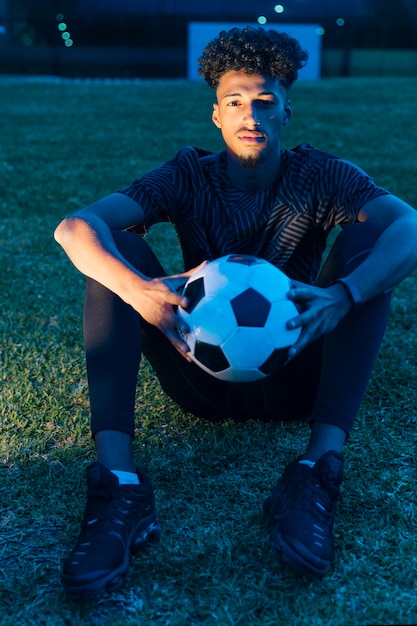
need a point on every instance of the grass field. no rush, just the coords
(66, 144)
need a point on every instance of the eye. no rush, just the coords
(233, 103)
(266, 103)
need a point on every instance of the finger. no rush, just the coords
(298, 346)
(183, 349)
(294, 322)
(300, 294)
(178, 342)
(306, 322)
(195, 269)
(181, 325)
(301, 320)
(178, 284)
(178, 281)
(185, 275)
(294, 350)
(175, 298)
(174, 329)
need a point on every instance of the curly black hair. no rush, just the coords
(254, 50)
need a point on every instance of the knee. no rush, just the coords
(357, 238)
(354, 244)
(130, 245)
(137, 252)
(350, 248)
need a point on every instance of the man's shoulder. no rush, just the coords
(192, 154)
(197, 165)
(308, 158)
(305, 151)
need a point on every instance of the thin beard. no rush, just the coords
(250, 162)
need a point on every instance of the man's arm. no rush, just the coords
(86, 237)
(393, 257)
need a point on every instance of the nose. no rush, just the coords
(252, 114)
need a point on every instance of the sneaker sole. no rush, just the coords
(98, 583)
(93, 588)
(298, 557)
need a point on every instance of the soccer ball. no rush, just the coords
(237, 314)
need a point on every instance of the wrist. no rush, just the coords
(352, 291)
(130, 285)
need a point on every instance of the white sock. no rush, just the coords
(126, 478)
(307, 462)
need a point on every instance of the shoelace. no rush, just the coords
(308, 493)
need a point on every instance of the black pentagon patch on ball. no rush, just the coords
(243, 259)
(211, 356)
(274, 361)
(251, 308)
(194, 292)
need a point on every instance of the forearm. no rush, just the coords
(89, 244)
(392, 259)
(91, 248)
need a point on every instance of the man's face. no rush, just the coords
(250, 112)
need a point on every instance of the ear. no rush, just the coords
(215, 115)
(287, 113)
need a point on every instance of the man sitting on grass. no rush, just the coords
(253, 198)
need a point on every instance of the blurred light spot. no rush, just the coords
(278, 8)
(320, 31)
(65, 35)
(262, 19)
(59, 17)
(62, 26)
(69, 43)
(340, 21)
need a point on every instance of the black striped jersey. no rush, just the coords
(287, 223)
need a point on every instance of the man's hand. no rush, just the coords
(156, 302)
(322, 310)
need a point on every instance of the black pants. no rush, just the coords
(325, 382)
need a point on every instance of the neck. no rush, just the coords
(254, 179)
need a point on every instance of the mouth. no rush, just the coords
(251, 136)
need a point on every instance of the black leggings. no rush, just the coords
(325, 382)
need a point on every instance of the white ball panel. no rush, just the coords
(248, 348)
(275, 326)
(212, 321)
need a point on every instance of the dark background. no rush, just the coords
(148, 38)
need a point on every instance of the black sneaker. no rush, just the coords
(118, 519)
(302, 509)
